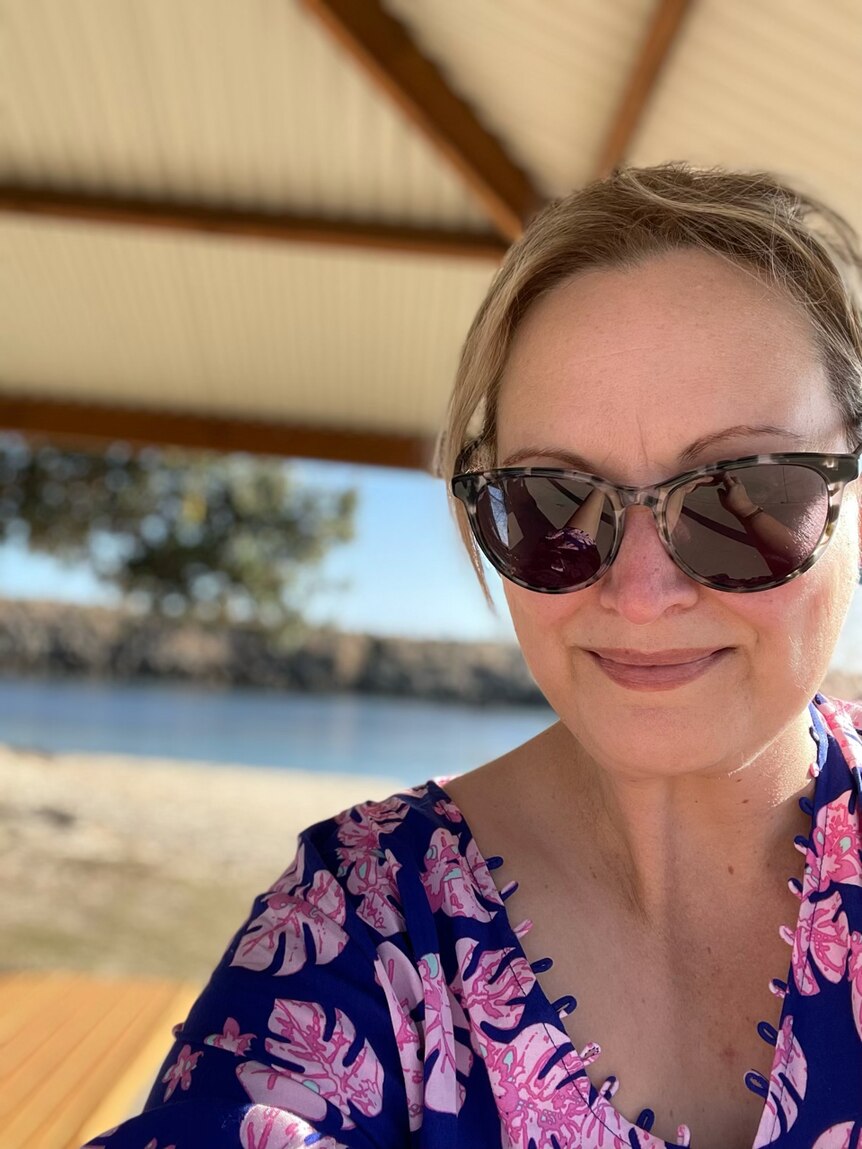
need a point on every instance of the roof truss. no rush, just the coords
(660, 37)
(383, 48)
(93, 425)
(205, 219)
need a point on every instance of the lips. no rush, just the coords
(659, 676)
(676, 657)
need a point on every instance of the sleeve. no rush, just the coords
(291, 1042)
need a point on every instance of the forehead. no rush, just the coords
(676, 347)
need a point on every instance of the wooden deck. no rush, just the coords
(79, 1053)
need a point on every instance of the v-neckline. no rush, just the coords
(599, 1100)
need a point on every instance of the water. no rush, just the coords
(405, 739)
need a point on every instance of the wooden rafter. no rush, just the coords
(382, 46)
(48, 203)
(660, 37)
(94, 424)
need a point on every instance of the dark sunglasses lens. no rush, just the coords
(550, 533)
(711, 532)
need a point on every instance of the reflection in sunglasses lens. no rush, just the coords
(554, 533)
(758, 525)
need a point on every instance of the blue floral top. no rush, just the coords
(378, 997)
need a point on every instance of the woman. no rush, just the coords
(667, 380)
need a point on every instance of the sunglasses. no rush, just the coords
(739, 525)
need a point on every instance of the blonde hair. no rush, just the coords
(787, 238)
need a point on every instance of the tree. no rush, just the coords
(221, 538)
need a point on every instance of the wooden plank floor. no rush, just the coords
(77, 1052)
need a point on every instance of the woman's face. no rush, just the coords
(627, 368)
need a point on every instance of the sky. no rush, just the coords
(405, 573)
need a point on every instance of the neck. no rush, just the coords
(663, 841)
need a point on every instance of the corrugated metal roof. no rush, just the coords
(247, 103)
(771, 83)
(310, 334)
(255, 105)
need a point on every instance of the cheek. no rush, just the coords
(794, 629)
(545, 626)
(547, 614)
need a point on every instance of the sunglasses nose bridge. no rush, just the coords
(637, 497)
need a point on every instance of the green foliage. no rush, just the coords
(219, 538)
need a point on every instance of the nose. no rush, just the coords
(643, 581)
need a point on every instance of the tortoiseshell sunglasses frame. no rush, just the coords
(837, 470)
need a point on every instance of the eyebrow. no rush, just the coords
(688, 456)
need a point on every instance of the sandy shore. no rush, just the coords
(147, 866)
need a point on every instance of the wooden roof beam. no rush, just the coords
(93, 425)
(203, 219)
(661, 35)
(383, 48)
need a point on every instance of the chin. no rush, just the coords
(645, 728)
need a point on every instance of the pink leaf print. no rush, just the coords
(446, 808)
(370, 869)
(231, 1038)
(537, 1113)
(153, 1144)
(402, 986)
(443, 1052)
(324, 1076)
(267, 1128)
(481, 873)
(854, 972)
(394, 967)
(180, 1073)
(448, 886)
(320, 909)
(548, 1108)
(373, 877)
(821, 939)
(360, 827)
(282, 1088)
(836, 1137)
(790, 1063)
(846, 724)
(495, 990)
(836, 844)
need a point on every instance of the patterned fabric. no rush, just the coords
(378, 997)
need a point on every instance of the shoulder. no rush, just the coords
(334, 990)
(389, 863)
(398, 827)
